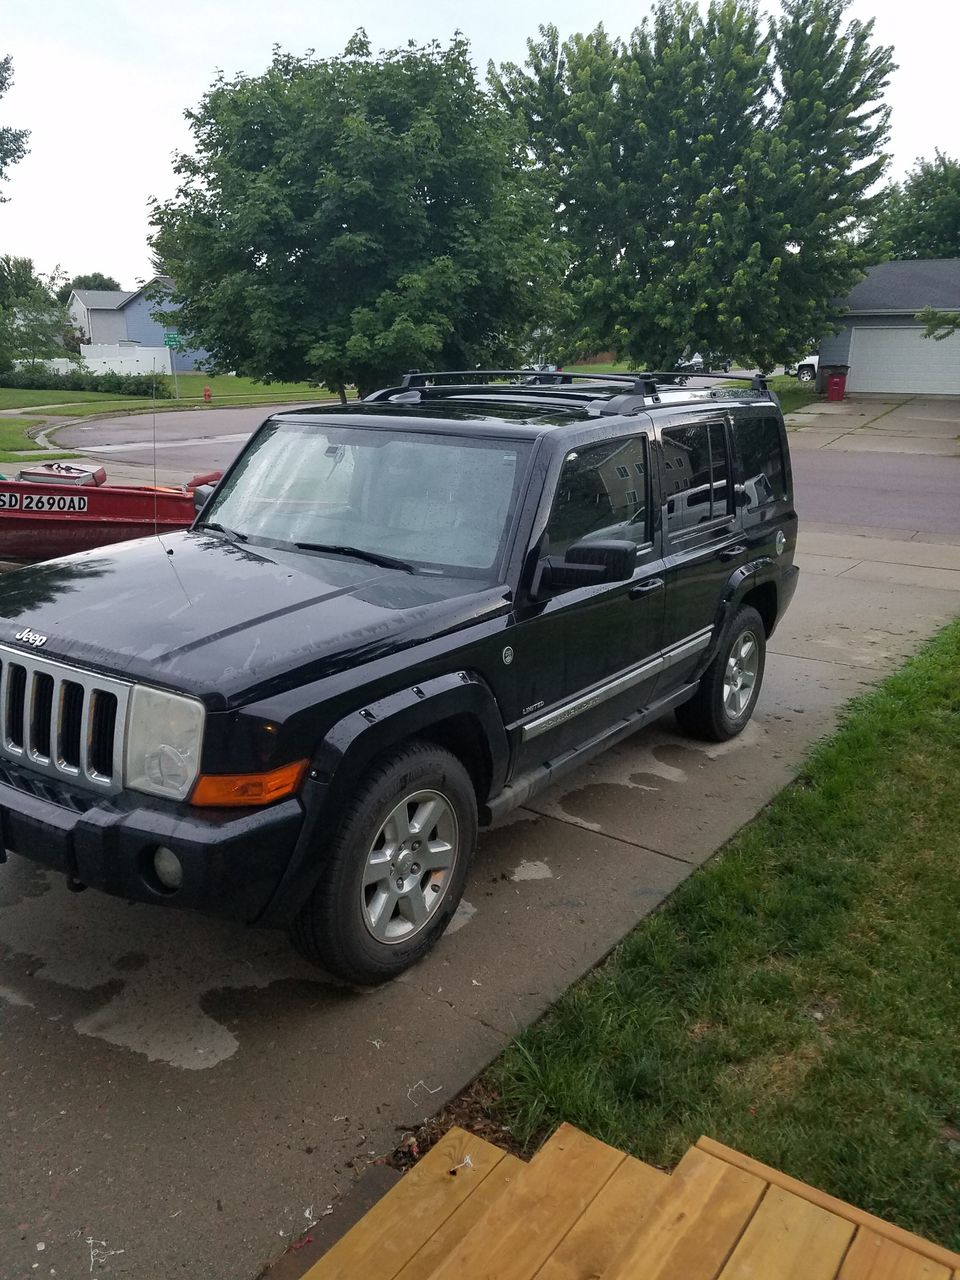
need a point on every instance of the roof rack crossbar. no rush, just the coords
(631, 386)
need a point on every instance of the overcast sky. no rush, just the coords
(103, 84)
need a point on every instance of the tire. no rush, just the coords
(355, 924)
(806, 373)
(724, 700)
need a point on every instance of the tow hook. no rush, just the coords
(75, 886)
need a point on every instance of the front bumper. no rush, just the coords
(232, 859)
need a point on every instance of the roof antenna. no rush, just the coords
(156, 514)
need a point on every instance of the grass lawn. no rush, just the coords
(14, 438)
(226, 391)
(14, 398)
(798, 998)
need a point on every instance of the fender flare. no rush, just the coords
(754, 573)
(352, 743)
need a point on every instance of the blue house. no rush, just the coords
(118, 316)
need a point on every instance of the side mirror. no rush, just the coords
(200, 495)
(588, 564)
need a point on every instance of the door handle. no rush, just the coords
(734, 553)
(646, 588)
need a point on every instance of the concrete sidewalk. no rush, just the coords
(898, 424)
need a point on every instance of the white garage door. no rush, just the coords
(904, 360)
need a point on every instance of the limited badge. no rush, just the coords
(507, 656)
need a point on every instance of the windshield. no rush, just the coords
(441, 503)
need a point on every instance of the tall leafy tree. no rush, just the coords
(707, 172)
(920, 217)
(13, 142)
(18, 279)
(344, 219)
(93, 280)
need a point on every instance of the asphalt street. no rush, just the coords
(182, 1097)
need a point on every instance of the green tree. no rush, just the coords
(707, 173)
(18, 279)
(94, 280)
(36, 328)
(13, 142)
(920, 217)
(344, 219)
(939, 324)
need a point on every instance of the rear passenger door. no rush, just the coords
(589, 653)
(701, 527)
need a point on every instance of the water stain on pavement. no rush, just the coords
(149, 997)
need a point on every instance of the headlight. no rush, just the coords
(164, 736)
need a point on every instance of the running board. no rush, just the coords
(529, 784)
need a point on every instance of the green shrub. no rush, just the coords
(39, 378)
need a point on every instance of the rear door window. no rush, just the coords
(696, 476)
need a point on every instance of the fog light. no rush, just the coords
(168, 867)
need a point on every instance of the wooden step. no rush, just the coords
(874, 1257)
(599, 1234)
(859, 1217)
(695, 1224)
(518, 1233)
(791, 1239)
(383, 1244)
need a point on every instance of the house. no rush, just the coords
(111, 317)
(882, 341)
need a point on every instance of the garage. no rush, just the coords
(901, 359)
(881, 338)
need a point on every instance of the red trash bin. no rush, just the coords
(836, 386)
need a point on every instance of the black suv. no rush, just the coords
(391, 621)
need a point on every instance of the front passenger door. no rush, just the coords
(587, 646)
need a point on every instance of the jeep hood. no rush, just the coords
(198, 612)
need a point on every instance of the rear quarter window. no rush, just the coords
(761, 456)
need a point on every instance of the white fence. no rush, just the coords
(118, 357)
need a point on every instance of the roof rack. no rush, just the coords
(636, 390)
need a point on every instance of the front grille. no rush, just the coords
(62, 721)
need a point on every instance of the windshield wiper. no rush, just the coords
(222, 528)
(373, 557)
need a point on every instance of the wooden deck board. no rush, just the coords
(600, 1233)
(911, 1242)
(389, 1235)
(791, 1239)
(694, 1228)
(520, 1231)
(875, 1257)
(430, 1254)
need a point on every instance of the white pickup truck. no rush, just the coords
(804, 370)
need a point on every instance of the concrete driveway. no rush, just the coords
(182, 1097)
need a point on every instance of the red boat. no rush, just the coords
(56, 509)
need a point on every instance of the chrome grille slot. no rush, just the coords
(71, 718)
(61, 721)
(41, 706)
(103, 721)
(13, 707)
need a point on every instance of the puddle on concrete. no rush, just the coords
(531, 871)
(136, 976)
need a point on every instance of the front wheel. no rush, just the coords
(729, 688)
(394, 869)
(806, 373)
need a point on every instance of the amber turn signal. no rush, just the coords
(230, 790)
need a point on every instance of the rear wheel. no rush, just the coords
(806, 373)
(395, 868)
(729, 688)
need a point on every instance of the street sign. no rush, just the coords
(172, 340)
